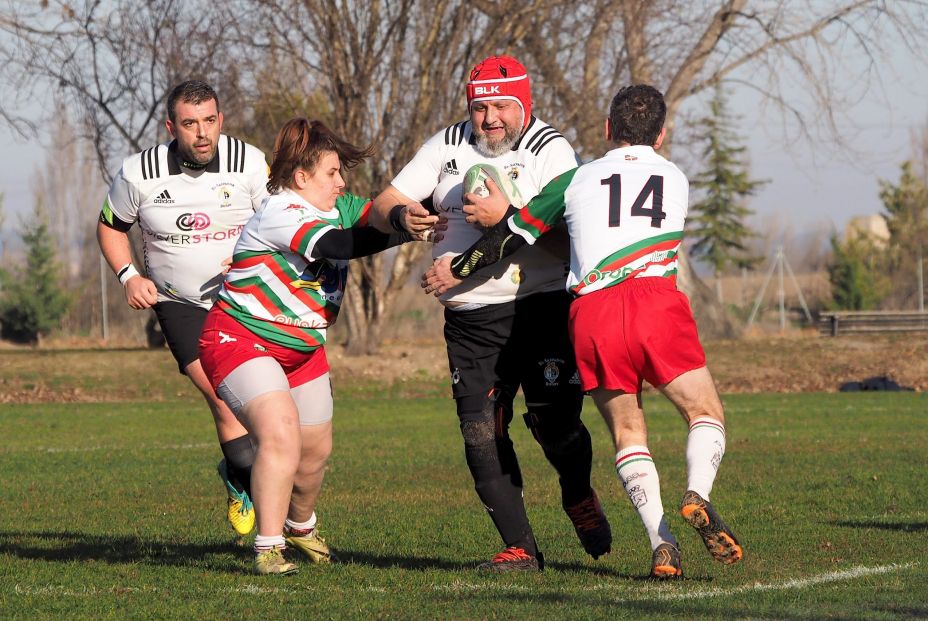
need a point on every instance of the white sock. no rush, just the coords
(638, 475)
(704, 449)
(306, 526)
(266, 543)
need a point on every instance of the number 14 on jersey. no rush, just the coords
(653, 188)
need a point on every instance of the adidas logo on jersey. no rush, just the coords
(451, 168)
(164, 198)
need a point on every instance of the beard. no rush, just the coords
(496, 148)
(191, 156)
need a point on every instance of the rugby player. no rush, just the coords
(191, 199)
(628, 322)
(507, 327)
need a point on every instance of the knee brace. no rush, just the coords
(567, 446)
(485, 417)
(557, 428)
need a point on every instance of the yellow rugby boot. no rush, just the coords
(240, 510)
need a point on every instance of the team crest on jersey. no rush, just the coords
(513, 170)
(323, 277)
(224, 192)
(552, 370)
(295, 206)
(456, 376)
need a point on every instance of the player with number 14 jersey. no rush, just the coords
(622, 225)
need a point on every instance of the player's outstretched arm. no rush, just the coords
(140, 291)
(394, 212)
(356, 242)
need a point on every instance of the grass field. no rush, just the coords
(113, 510)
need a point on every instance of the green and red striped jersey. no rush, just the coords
(625, 214)
(274, 286)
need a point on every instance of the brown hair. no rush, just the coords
(301, 143)
(637, 114)
(192, 92)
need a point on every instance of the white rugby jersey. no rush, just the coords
(275, 288)
(625, 214)
(437, 170)
(189, 220)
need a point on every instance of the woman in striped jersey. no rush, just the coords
(262, 345)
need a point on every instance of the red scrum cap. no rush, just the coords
(501, 77)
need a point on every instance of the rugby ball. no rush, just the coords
(475, 183)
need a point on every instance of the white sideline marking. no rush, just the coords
(88, 449)
(458, 586)
(796, 583)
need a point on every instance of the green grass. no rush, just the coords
(114, 511)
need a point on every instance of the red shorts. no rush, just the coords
(641, 329)
(225, 344)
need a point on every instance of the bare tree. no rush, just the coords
(390, 74)
(110, 63)
(586, 50)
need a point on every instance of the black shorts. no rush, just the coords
(181, 325)
(522, 343)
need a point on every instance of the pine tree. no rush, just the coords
(717, 219)
(34, 298)
(856, 273)
(906, 204)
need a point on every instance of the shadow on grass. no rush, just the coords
(420, 563)
(906, 527)
(68, 546)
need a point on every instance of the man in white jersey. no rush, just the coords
(506, 327)
(191, 199)
(629, 323)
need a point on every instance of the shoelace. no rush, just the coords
(585, 515)
(511, 554)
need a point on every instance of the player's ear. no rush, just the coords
(608, 130)
(299, 178)
(660, 138)
(170, 127)
(220, 121)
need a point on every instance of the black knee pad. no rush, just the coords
(478, 413)
(557, 428)
(487, 445)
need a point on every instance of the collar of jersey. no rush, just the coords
(635, 149)
(176, 167)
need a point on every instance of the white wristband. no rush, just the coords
(128, 271)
